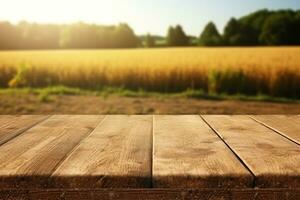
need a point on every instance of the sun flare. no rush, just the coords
(56, 11)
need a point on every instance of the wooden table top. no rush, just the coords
(138, 151)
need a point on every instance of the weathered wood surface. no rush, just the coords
(273, 159)
(289, 126)
(188, 154)
(154, 194)
(149, 157)
(28, 160)
(12, 126)
(116, 155)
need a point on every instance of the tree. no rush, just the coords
(277, 30)
(231, 32)
(9, 37)
(171, 40)
(256, 21)
(296, 26)
(79, 35)
(38, 36)
(237, 33)
(181, 38)
(264, 27)
(83, 35)
(210, 36)
(125, 37)
(177, 37)
(150, 41)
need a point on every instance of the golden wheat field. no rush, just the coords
(270, 71)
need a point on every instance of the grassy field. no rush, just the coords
(249, 71)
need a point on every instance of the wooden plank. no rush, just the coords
(29, 160)
(12, 126)
(287, 125)
(154, 194)
(274, 160)
(116, 155)
(188, 154)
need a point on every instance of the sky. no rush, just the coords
(144, 16)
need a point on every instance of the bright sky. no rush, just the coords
(144, 16)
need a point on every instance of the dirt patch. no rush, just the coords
(62, 104)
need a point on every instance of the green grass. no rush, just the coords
(44, 94)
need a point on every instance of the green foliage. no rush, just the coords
(264, 27)
(20, 78)
(61, 90)
(6, 75)
(210, 36)
(38, 36)
(124, 37)
(177, 37)
(226, 81)
(277, 30)
(150, 41)
(92, 36)
(296, 25)
(44, 96)
(171, 36)
(238, 34)
(9, 37)
(285, 85)
(180, 36)
(80, 35)
(231, 81)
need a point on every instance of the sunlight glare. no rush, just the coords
(58, 11)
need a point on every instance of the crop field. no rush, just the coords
(250, 71)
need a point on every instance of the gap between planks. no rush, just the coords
(236, 155)
(272, 158)
(152, 151)
(77, 145)
(152, 142)
(32, 149)
(68, 154)
(117, 154)
(189, 154)
(20, 132)
(275, 129)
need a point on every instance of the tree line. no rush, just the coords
(260, 28)
(263, 27)
(79, 35)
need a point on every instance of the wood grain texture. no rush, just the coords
(154, 194)
(12, 126)
(287, 125)
(29, 160)
(274, 160)
(116, 155)
(188, 154)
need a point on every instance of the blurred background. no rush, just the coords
(149, 57)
